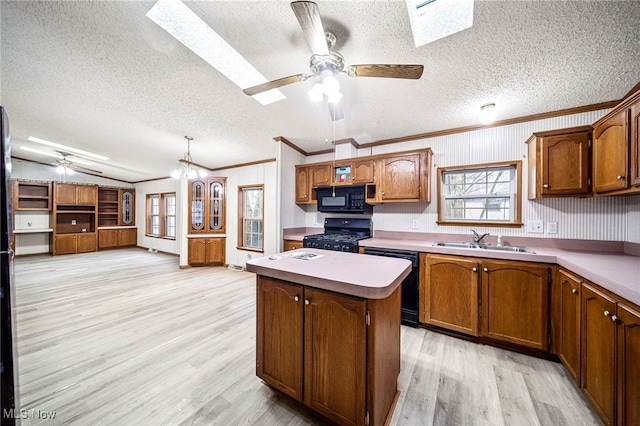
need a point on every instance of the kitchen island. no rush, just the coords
(328, 331)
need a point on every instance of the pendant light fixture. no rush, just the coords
(186, 168)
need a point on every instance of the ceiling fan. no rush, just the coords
(325, 62)
(64, 165)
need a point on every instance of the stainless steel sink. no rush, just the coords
(513, 249)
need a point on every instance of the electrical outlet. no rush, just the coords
(315, 219)
(415, 224)
(535, 226)
(552, 227)
(73, 221)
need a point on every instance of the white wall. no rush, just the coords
(603, 218)
(290, 215)
(158, 187)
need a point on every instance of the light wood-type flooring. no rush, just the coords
(125, 337)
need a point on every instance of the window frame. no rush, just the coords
(162, 215)
(517, 214)
(240, 240)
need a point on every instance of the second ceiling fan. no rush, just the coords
(328, 63)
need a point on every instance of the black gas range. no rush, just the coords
(340, 235)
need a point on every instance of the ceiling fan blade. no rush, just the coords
(386, 71)
(308, 16)
(269, 85)
(335, 110)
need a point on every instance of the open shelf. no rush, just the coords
(32, 195)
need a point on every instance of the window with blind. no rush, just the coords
(250, 212)
(480, 194)
(161, 215)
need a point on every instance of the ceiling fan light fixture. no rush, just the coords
(331, 86)
(317, 92)
(334, 97)
(488, 113)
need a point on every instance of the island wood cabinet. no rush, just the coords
(559, 163)
(610, 350)
(291, 245)
(337, 354)
(114, 238)
(206, 251)
(451, 292)
(207, 205)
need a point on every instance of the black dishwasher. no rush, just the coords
(410, 287)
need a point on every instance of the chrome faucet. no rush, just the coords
(478, 238)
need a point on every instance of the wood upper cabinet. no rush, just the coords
(279, 335)
(610, 353)
(635, 143)
(206, 251)
(598, 352)
(363, 171)
(611, 153)
(320, 175)
(515, 302)
(400, 178)
(71, 194)
(303, 185)
(319, 348)
(207, 205)
(335, 356)
(559, 162)
(451, 293)
(569, 322)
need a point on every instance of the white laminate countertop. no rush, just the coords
(346, 273)
(614, 271)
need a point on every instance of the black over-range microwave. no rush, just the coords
(342, 199)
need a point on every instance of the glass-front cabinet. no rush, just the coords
(207, 205)
(127, 204)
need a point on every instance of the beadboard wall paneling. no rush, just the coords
(633, 219)
(604, 218)
(158, 187)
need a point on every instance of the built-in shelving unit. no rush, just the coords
(31, 195)
(108, 206)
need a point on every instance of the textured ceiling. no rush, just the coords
(101, 76)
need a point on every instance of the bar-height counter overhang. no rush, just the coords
(328, 331)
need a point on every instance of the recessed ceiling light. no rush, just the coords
(56, 155)
(68, 148)
(186, 27)
(487, 113)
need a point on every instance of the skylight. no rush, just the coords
(432, 20)
(186, 27)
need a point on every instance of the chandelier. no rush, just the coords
(186, 168)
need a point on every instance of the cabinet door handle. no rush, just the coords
(574, 290)
(486, 269)
(306, 301)
(545, 186)
(382, 192)
(296, 298)
(614, 318)
(607, 313)
(620, 177)
(474, 269)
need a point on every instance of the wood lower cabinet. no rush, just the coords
(317, 347)
(610, 353)
(291, 245)
(515, 303)
(451, 293)
(114, 238)
(74, 243)
(207, 251)
(569, 322)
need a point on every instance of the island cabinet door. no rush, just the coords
(279, 335)
(335, 356)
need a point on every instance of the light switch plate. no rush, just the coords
(535, 226)
(552, 227)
